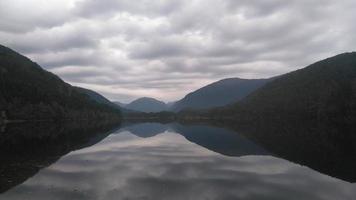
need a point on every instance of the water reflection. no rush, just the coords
(146, 130)
(327, 148)
(167, 163)
(219, 140)
(28, 147)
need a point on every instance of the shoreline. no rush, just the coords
(3, 122)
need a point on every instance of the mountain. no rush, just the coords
(219, 93)
(146, 104)
(123, 107)
(97, 97)
(102, 100)
(27, 92)
(120, 104)
(94, 95)
(325, 90)
(170, 104)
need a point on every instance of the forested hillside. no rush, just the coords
(325, 90)
(220, 93)
(27, 92)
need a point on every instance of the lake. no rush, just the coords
(173, 161)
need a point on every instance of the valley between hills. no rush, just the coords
(323, 91)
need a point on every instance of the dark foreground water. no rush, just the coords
(171, 161)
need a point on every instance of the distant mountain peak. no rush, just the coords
(147, 104)
(147, 99)
(219, 93)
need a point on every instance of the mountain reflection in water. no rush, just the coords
(161, 161)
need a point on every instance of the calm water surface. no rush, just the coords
(156, 161)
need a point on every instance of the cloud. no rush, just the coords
(27, 15)
(92, 8)
(165, 49)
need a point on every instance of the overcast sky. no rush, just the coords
(127, 49)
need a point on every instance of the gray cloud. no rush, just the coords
(27, 15)
(165, 49)
(92, 8)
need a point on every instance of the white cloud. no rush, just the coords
(165, 49)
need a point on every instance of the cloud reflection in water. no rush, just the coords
(167, 166)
